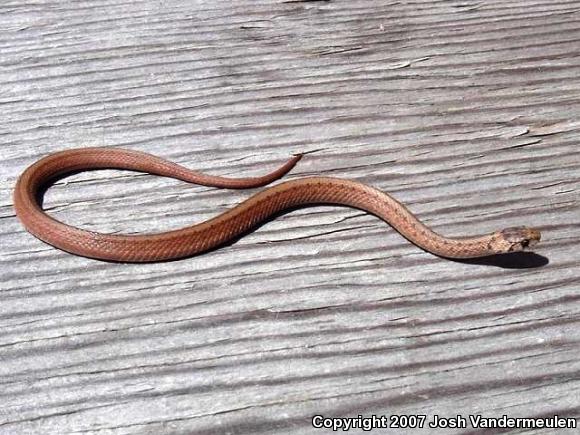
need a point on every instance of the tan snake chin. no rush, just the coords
(230, 225)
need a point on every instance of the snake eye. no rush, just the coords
(525, 243)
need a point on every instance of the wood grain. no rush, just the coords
(467, 111)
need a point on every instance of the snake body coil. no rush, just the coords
(228, 226)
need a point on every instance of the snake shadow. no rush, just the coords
(514, 260)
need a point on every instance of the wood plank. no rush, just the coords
(466, 111)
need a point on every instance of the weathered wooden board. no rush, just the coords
(468, 111)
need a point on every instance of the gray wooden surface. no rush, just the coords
(468, 111)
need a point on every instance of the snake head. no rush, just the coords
(515, 239)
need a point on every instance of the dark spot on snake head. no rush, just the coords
(514, 234)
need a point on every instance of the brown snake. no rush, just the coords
(237, 221)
